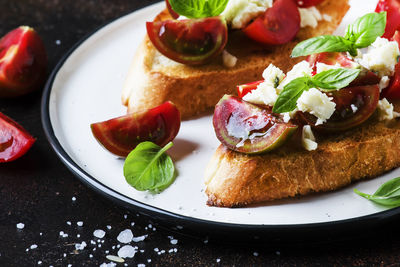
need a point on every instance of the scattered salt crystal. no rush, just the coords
(65, 255)
(162, 251)
(179, 227)
(175, 250)
(139, 238)
(99, 240)
(171, 250)
(113, 247)
(156, 249)
(20, 225)
(278, 253)
(115, 258)
(58, 42)
(90, 256)
(99, 233)
(99, 245)
(39, 262)
(255, 254)
(125, 216)
(150, 226)
(61, 233)
(78, 235)
(27, 249)
(149, 260)
(80, 246)
(73, 198)
(118, 245)
(92, 242)
(206, 241)
(142, 251)
(141, 265)
(107, 251)
(154, 229)
(109, 227)
(110, 264)
(126, 251)
(33, 246)
(79, 223)
(65, 235)
(218, 260)
(102, 241)
(40, 234)
(69, 265)
(68, 222)
(173, 241)
(125, 236)
(94, 249)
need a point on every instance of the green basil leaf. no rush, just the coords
(387, 194)
(287, 99)
(335, 78)
(319, 44)
(147, 167)
(366, 29)
(198, 8)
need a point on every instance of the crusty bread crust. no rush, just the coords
(154, 79)
(234, 179)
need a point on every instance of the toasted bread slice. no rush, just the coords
(234, 179)
(154, 79)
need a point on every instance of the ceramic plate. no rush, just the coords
(86, 86)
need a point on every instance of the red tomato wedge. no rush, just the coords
(392, 7)
(308, 3)
(354, 105)
(393, 90)
(170, 10)
(15, 141)
(121, 135)
(191, 41)
(244, 89)
(278, 25)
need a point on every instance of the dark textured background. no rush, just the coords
(37, 189)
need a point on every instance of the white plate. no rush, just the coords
(86, 88)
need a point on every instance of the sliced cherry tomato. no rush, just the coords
(330, 58)
(121, 135)
(278, 25)
(247, 128)
(392, 7)
(244, 89)
(15, 141)
(191, 41)
(308, 3)
(354, 105)
(393, 90)
(171, 11)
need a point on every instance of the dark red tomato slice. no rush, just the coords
(393, 90)
(121, 135)
(278, 25)
(171, 11)
(308, 3)
(392, 7)
(15, 141)
(244, 89)
(330, 58)
(247, 128)
(354, 105)
(191, 41)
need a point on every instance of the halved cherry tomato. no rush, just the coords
(278, 25)
(244, 89)
(354, 105)
(308, 3)
(393, 90)
(330, 58)
(121, 135)
(15, 141)
(248, 128)
(392, 7)
(191, 41)
(171, 11)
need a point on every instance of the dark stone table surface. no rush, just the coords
(37, 189)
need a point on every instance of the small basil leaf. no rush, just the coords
(215, 7)
(198, 8)
(390, 201)
(366, 29)
(388, 194)
(287, 99)
(389, 188)
(319, 44)
(335, 78)
(147, 167)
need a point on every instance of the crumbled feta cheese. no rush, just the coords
(317, 103)
(127, 251)
(79, 223)
(238, 13)
(309, 17)
(139, 238)
(288, 115)
(99, 233)
(301, 69)
(173, 241)
(308, 138)
(383, 83)
(385, 110)
(324, 67)
(80, 246)
(266, 92)
(381, 57)
(34, 246)
(20, 225)
(228, 59)
(125, 236)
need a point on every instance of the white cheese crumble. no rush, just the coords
(125, 236)
(228, 59)
(324, 67)
(238, 13)
(20, 225)
(317, 103)
(127, 251)
(385, 110)
(383, 83)
(289, 115)
(266, 92)
(308, 138)
(301, 69)
(99, 233)
(381, 57)
(309, 17)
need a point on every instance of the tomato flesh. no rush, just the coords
(191, 41)
(278, 25)
(392, 7)
(248, 128)
(244, 89)
(15, 141)
(121, 135)
(330, 58)
(308, 3)
(364, 100)
(23, 62)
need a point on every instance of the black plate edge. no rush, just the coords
(330, 231)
